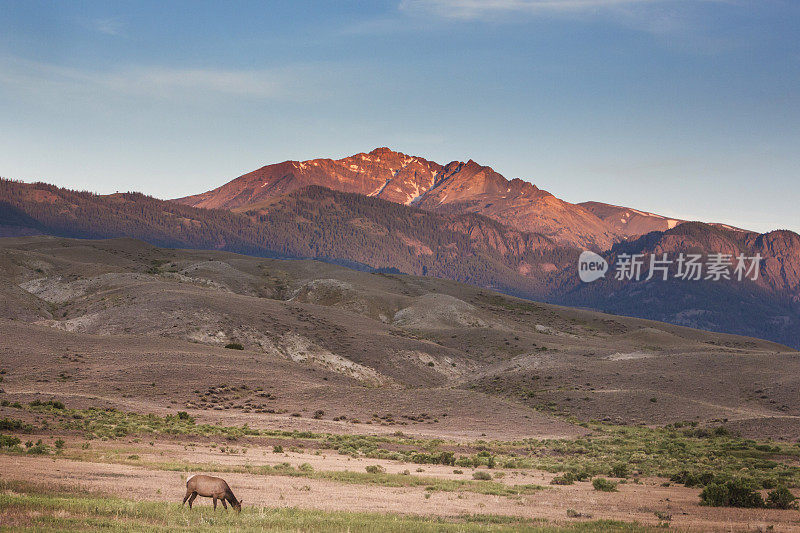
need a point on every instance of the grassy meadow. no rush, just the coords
(30, 508)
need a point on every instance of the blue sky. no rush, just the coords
(688, 108)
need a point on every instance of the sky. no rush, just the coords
(687, 108)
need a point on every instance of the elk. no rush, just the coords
(210, 487)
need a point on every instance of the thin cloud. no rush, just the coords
(154, 82)
(160, 81)
(107, 26)
(675, 24)
(474, 9)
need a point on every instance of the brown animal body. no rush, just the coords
(210, 487)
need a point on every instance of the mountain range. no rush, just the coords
(389, 211)
(456, 187)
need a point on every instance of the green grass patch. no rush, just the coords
(682, 452)
(36, 509)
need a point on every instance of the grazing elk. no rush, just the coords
(210, 487)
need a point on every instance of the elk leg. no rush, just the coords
(191, 499)
(186, 498)
(224, 504)
(215, 503)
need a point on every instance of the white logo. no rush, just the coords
(591, 266)
(687, 267)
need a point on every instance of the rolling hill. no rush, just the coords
(373, 234)
(145, 319)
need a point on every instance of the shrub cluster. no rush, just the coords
(7, 441)
(441, 458)
(49, 403)
(12, 424)
(568, 478)
(620, 470)
(604, 485)
(40, 448)
(693, 479)
(781, 498)
(744, 493)
(13, 444)
(564, 479)
(734, 493)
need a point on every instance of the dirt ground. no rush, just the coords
(633, 502)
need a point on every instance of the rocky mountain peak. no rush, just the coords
(412, 180)
(384, 151)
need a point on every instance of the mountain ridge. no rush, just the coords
(454, 187)
(373, 234)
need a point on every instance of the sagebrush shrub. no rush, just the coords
(693, 479)
(12, 424)
(619, 470)
(781, 498)
(604, 485)
(8, 441)
(733, 493)
(564, 479)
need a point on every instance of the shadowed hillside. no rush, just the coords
(356, 343)
(372, 234)
(314, 222)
